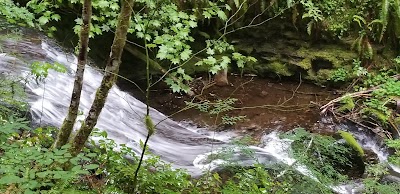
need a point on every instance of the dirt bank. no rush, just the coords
(266, 104)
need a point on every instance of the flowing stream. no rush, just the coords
(182, 144)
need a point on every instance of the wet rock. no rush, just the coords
(324, 128)
(370, 157)
(390, 179)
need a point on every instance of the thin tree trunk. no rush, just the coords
(221, 78)
(69, 121)
(109, 78)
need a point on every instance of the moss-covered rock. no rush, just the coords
(293, 55)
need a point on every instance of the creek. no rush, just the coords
(182, 144)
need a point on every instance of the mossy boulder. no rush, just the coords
(284, 55)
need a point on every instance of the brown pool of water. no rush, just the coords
(266, 104)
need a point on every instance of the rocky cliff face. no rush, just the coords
(287, 53)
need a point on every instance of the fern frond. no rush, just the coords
(384, 16)
(397, 18)
(360, 20)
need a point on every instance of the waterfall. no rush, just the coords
(182, 144)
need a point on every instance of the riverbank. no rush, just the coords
(266, 104)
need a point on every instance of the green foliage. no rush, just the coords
(12, 97)
(36, 14)
(346, 75)
(373, 183)
(324, 156)
(395, 144)
(220, 108)
(346, 104)
(383, 92)
(340, 75)
(254, 180)
(40, 70)
(156, 176)
(27, 167)
(352, 142)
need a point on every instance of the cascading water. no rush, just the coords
(122, 117)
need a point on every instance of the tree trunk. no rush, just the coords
(221, 78)
(109, 78)
(69, 121)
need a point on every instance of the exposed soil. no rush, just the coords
(267, 104)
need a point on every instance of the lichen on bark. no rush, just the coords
(109, 77)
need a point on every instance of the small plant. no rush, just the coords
(218, 108)
(324, 156)
(27, 167)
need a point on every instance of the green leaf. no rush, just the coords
(180, 71)
(192, 24)
(210, 60)
(43, 20)
(186, 54)
(214, 69)
(10, 179)
(206, 14)
(114, 6)
(151, 45)
(237, 4)
(175, 88)
(92, 166)
(222, 15)
(42, 174)
(103, 3)
(56, 17)
(210, 51)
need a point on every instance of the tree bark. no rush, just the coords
(221, 78)
(109, 77)
(69, 121)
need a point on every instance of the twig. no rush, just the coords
(294, 92)
(355, 94)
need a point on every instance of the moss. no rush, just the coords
(348, 137)
(337, 55)
(320, 77)
(305, 63)
(347, 104)
(280, 68)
